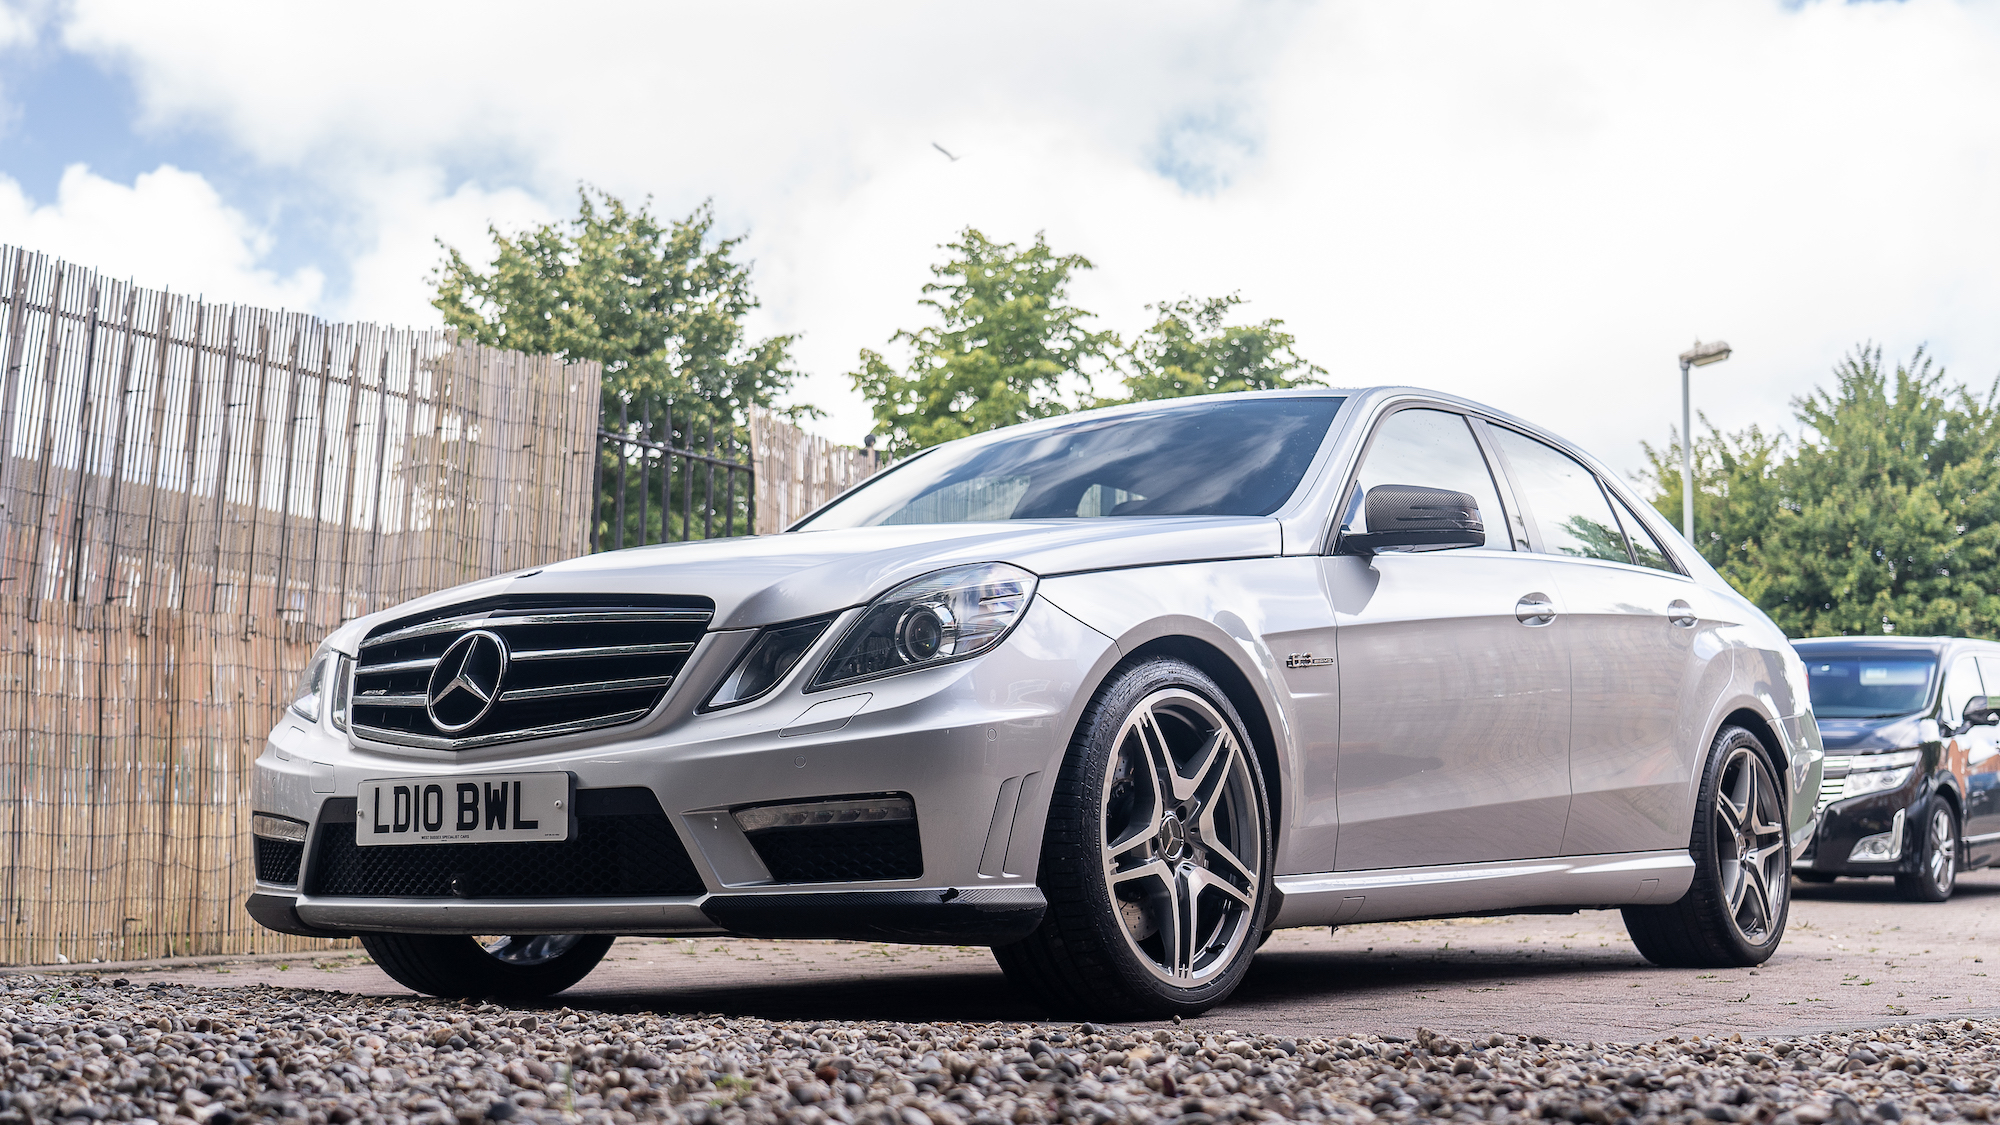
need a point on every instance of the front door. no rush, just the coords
(1454, 675)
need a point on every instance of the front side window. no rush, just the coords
(1564, 499)
(1432, 449)
(1960, 685)
(1868, 687)
(1240, 457)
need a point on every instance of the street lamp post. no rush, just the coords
(1701, 355)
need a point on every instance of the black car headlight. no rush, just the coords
(773, 654)
(938, 618)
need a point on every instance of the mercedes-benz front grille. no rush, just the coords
(512, 669)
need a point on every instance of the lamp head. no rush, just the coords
(1701, 355)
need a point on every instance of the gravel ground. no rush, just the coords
(81, 1049)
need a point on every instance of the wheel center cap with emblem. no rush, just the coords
(1173, 837)
(465, 684)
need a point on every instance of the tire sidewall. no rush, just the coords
(1083, 773)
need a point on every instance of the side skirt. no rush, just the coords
(1398, 893)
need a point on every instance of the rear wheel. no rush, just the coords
(1734, 912)
(1937, 862)
(456, 966)
(1156, 861)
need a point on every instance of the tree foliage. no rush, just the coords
(1008, 346)
(1189, 350)
(1884, 516)
(660, 304)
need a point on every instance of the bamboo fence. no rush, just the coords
(191, 496)
(796, 472)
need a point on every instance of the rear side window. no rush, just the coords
(1563, 498)
(1646, 550)
(1434, 449)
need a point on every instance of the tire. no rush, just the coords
(1733, 915)
(1157, 858)
(458, 967)
(1937, 857)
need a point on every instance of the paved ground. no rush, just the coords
(1855, 956)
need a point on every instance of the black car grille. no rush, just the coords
(560, 665)
(623, 846)
(842, 853)
(278, 860)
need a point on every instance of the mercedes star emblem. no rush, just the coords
(466, 682)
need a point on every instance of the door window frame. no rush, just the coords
(1610, 497)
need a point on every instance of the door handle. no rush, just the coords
(1534, 610)
(1681, 614)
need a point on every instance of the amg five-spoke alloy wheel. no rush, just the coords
(1734, 912)
(1157, 855)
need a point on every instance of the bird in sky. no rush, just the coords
(944, 150)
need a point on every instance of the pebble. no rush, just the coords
(78, 1050)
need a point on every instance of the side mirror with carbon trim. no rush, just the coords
(1414, 517)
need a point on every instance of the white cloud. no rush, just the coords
(169, 229)
(1536, 204)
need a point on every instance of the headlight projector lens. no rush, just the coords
(925, 632)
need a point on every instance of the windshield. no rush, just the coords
(1855, 687)
(1241, 457)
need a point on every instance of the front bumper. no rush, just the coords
(1845, 823)
(973, 745)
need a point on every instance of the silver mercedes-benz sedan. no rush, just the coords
(1116, 694)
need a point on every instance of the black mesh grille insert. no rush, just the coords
(623, 846)
(278, 860)
(841, 853)
(561, 664)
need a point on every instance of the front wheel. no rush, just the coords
(459, 968)
(1734, 912)
(1937, 870)
(1156, 861)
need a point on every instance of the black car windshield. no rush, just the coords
(1241, 457)
(1850, 686)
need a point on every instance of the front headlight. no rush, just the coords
(1880, 773)
(950, 615)
(307, 700)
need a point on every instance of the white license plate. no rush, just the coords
(468, 809)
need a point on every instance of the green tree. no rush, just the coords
(660, 304)
(1736, 497)
(1895, 501)
(1008, 346)
(1884, 516)
(1190, 351)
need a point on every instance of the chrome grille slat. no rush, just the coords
(582, 617)
(563, 664)
(432, 742)
(401, 666)
(598, 687)
(600, 651)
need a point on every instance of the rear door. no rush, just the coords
(1641, 647)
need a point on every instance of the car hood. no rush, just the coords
(758, 580)
(1862, 736)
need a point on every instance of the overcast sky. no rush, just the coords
(1534, 204)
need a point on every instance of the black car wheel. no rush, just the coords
(1734, 912)
(1157, 858)
(1937, 859)
(459, 967)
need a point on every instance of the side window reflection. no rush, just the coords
(1563, 498)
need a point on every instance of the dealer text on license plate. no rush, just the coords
(468, 809)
